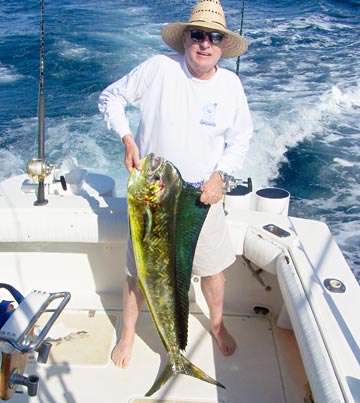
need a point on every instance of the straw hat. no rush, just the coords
(206, 14)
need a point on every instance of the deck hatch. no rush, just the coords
(75, 334)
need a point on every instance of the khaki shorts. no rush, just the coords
(214, 251)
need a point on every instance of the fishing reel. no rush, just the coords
(235, 187)
(40, 169)
(230, 183)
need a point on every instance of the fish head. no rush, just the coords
(155, 182)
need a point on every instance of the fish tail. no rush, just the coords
(167, 373)
(192, 370)
(186, 368)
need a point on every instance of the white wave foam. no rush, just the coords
(343, 163)
(78, 137)
(297, 119)
(11, 164)
(74, 51)
(8, 74)
(346, 99)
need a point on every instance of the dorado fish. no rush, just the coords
(166, 217)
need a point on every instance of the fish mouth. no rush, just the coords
(155, 164)
(147, 184)
(154, 169)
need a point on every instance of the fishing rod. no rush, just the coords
(38, 167)
(41, 108)
(241, 31)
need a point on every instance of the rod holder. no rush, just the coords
(31, 382)
(43, 352)
(41, 201)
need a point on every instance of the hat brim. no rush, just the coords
(172, 35)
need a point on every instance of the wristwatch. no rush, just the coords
(224, 176)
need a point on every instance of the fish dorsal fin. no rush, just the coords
(190, 216)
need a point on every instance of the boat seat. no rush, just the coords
(18, 339)
(261, 251)
(18, 328)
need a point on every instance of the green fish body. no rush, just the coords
(166, 218)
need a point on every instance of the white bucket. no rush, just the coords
(238, 200)
(272, 200)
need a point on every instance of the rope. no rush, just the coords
(240, 32)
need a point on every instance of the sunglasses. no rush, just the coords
(199, 36)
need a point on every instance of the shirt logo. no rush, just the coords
(208, 118)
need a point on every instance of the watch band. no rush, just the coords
(224, 176)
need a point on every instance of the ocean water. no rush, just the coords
(301, 75)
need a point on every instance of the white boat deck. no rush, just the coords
(78, 244)
(79, 367)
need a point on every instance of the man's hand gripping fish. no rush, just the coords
(166, 218)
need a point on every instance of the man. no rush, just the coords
(194, 114)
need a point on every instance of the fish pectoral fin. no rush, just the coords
(167, 373)
(186, 368)
(148, 224)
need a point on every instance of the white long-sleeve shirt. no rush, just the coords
(198, 125)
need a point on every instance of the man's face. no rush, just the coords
(201, 57)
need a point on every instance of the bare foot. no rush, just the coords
(224, 340)
(121, 354)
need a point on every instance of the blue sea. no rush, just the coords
(301, 75)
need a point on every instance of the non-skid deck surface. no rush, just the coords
(81, 338)
(251, 375)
